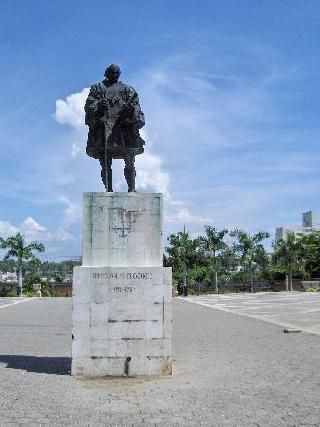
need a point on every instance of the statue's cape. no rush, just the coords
(124, 137)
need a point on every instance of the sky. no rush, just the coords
(230, 91)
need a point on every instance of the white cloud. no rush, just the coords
(75, 150)
(71, 110)
(71, 213)
(150, 175)
(182, 215)
(7, 229)
(59, 235)
(31, 228)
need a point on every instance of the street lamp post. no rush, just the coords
(184, 279)
(215, 270)
(182, 254)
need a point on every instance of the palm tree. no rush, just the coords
(288, 254)
(250, 249)
(19, 250)
(183, 254)
(213, 243)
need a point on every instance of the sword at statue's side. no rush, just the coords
(108, 126)
(108, 123)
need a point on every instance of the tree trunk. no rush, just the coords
(216, 287)
(184, 280)
(290, 279)
(20, 282)
(287, 283)
(250, 279)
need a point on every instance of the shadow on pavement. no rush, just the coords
(38, 364)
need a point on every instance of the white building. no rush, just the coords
(309, 223)
(9, 277)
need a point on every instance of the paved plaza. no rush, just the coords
(228, 370)
(6, 302)
(299, 310)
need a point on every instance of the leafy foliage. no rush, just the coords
(213, 245)
(310, 245)
(252, 253)
(196, 261)
(58, 270)
(20, 251)
(289, 254)
(183, 255)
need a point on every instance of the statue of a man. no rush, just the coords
(114, 117)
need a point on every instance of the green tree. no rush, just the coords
(250, 250)
(183, 255)
(288, 254)
(32, 266)
(311, 251)
(213, 244)
(7, 265)
(52, 269)
(20, 251)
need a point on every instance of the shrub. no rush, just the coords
(27, 293)
(9, 291)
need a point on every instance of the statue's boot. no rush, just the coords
(110, 190)
(130, 176)
(103, 177)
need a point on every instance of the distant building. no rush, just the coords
(309, 220)
(68, 277)
(309, 223)
(9, 277)
(279, 234)
(62, 289)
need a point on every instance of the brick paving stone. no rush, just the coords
(228, 370)
(297, 310)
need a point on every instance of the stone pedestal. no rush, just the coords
(122, 230)
(121, 293)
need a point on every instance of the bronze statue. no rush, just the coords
(114, 117)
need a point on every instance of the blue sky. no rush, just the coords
(230, 91)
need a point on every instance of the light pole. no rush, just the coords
(184, 274)
(215, 270)
(184, 270)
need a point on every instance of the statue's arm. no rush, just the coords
(138, 113)
(133, 113)
(91, 107)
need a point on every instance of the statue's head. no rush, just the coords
(112, 73)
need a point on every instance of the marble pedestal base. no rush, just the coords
(121, 321)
